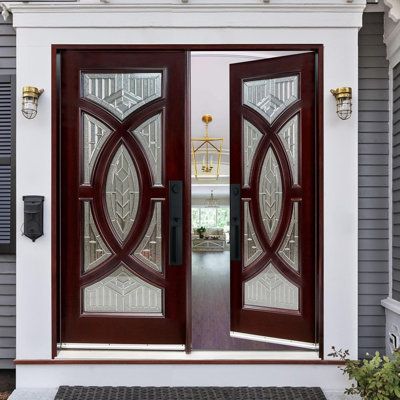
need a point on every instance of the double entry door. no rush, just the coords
(125, 198)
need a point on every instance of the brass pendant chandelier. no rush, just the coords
(206, 153)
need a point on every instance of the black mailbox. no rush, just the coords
(33, 216)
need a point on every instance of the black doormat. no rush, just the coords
(188, 393)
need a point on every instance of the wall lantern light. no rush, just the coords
(30, 98)
(343, 96)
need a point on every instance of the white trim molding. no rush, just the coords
(392, 313)
(5, 12)
(391, 304)
(394, 9)
(138, 14)
(392, 38)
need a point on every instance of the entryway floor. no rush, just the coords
(211, 306)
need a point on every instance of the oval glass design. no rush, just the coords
(122, 193)
(270, 193)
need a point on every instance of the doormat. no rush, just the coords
(188, 393)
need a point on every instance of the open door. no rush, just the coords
(273, 200)
(124, 185)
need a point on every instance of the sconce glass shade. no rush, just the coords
(30, 99)
(344, 108)
(343, 97)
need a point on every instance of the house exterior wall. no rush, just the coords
(335, 26)
(396, 183)
(373, 215)
(7, 48)
(392, 303)
(7, 172)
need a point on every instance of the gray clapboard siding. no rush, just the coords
(396, 182)
(7, 311)
(7, 262)
(373, 149)
(7, 48)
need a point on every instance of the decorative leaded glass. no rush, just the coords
(252, 248)
(95, 134)
(95, 251)
(122, 192)
(289, 136)
(149, 250)
(149, 135)
(270, 97)
(270, 193)
(289, 249)
(123, 292)
(251, 139)
(122, 93)
(271, 289)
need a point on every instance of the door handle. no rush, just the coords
(235, 222)
(175, 223)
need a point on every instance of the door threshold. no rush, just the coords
(123, 347)
(121, 355)
(274, 340)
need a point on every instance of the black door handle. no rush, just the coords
(235, 223)
(175, 223)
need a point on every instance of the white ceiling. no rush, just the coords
(200, 190)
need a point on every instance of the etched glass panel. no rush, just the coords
(149, 135)
(150, 248)
(270, 193)
(95, 134)
(252, 248)
(252, 137)
(123, 292)
(289, 136)
(270, 97)
(121, 94)
(95, 251)
(122, 192)
(271, 289)
(289, 249)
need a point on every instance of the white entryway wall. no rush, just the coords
(334, 24)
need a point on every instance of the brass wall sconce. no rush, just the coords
(30, 99)
(343, 96)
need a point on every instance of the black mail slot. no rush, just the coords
(33, 216)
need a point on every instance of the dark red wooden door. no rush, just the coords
(273, 133)
(122, 142)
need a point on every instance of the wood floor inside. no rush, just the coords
(211, 306)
